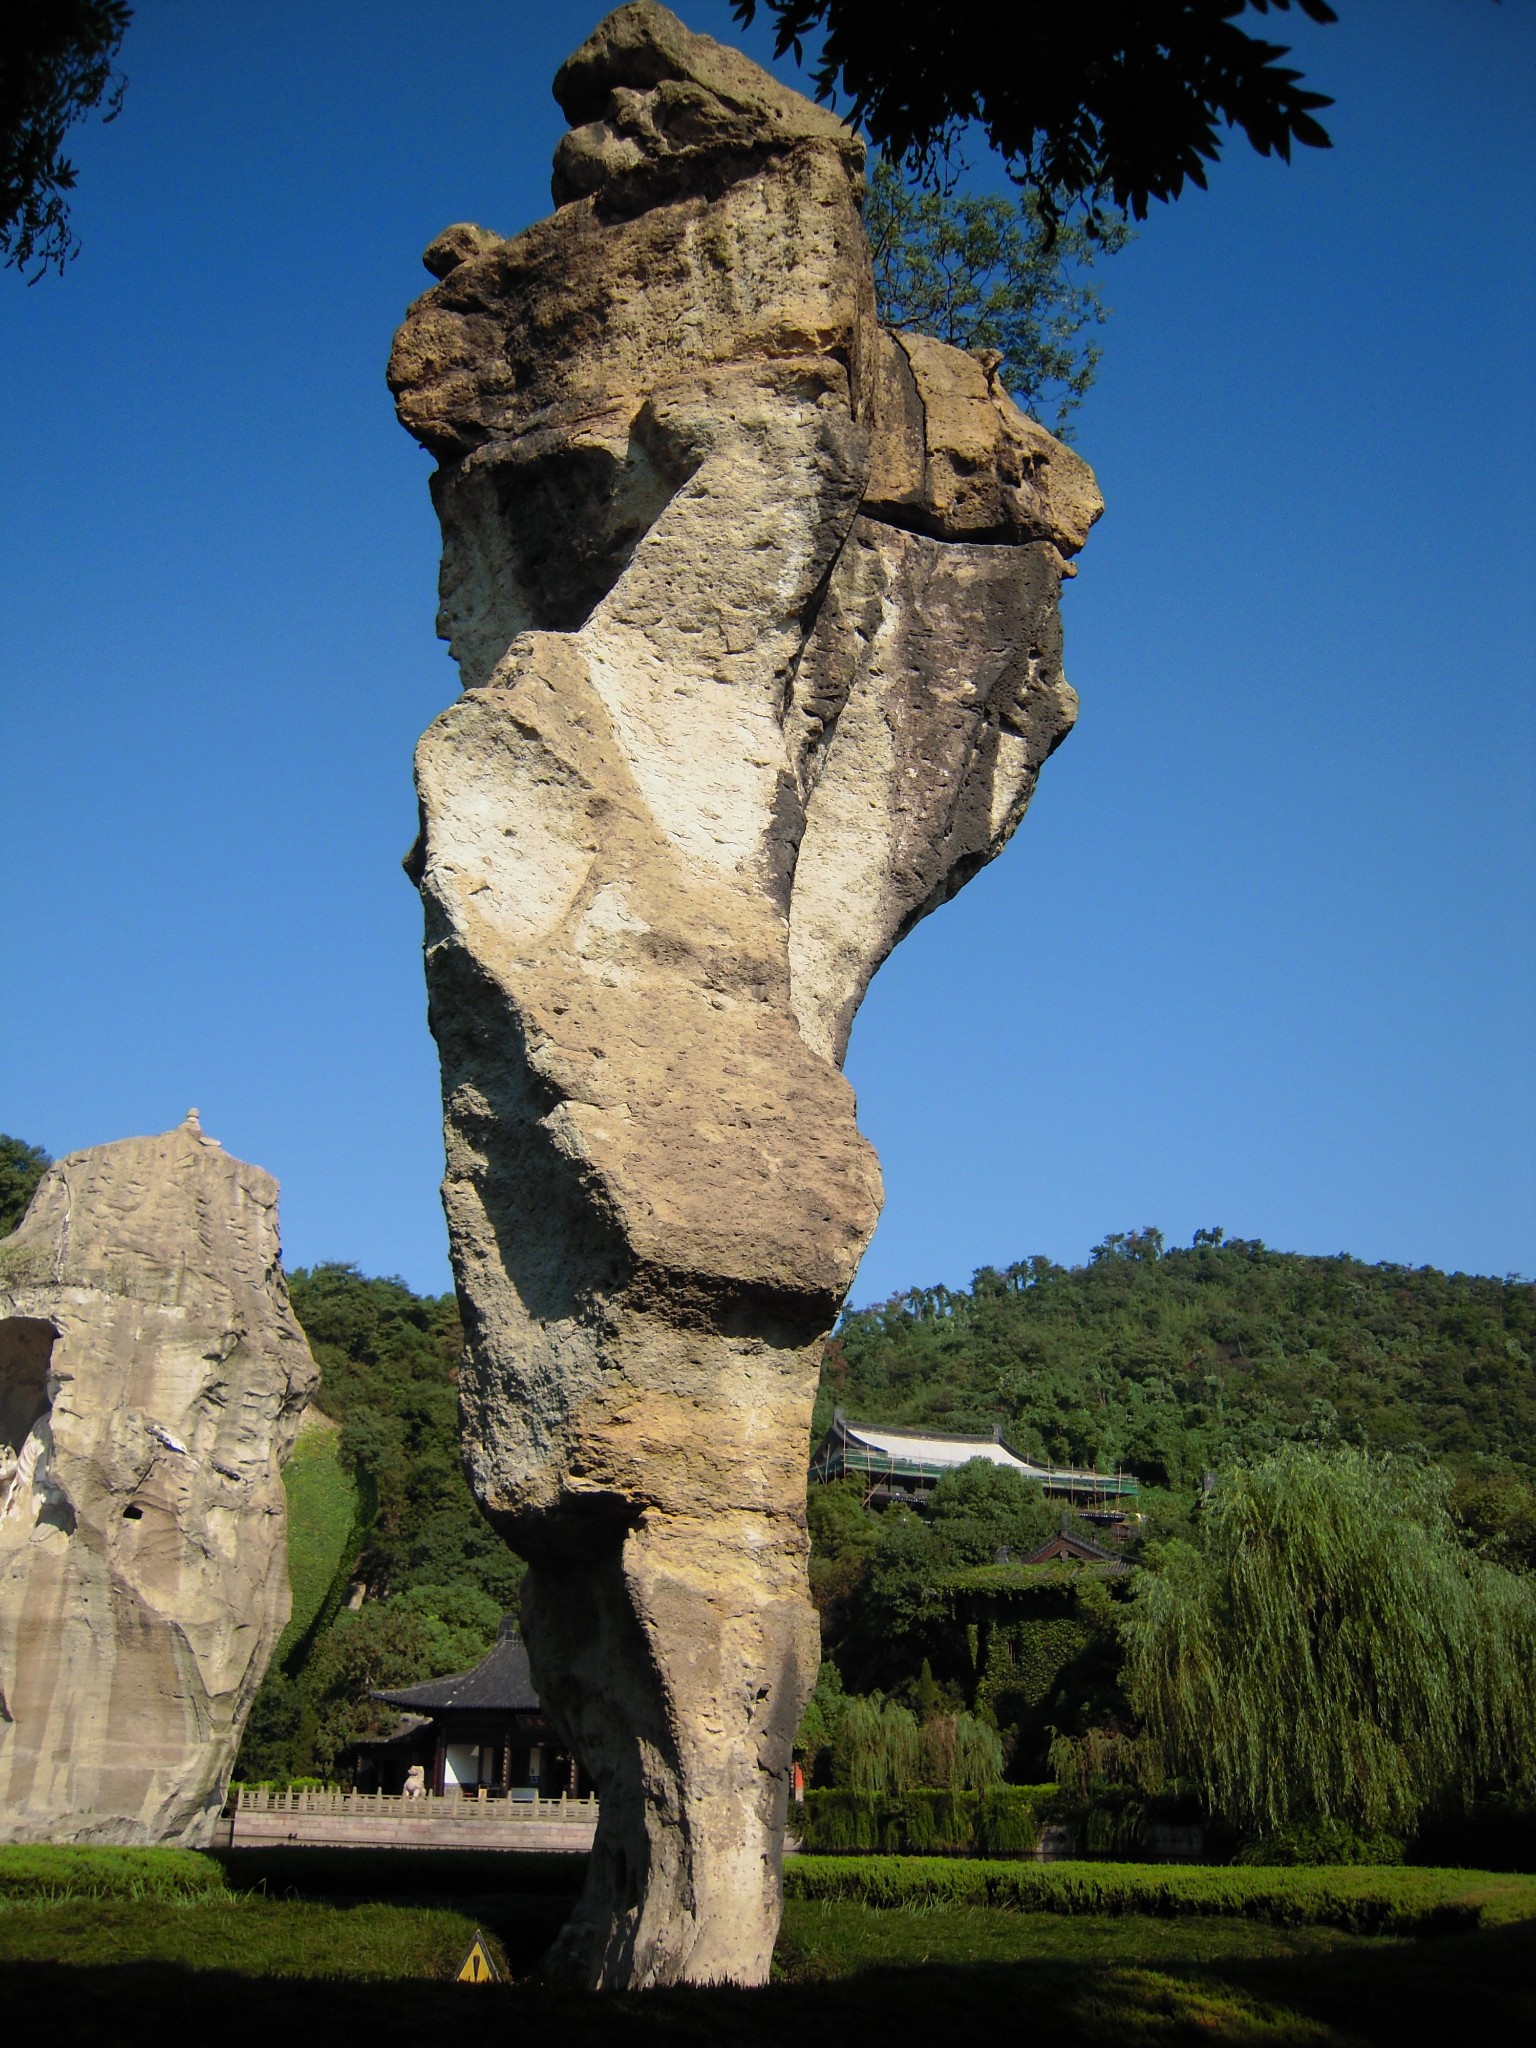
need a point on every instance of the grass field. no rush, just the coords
(162, 1947)
(322, 1505)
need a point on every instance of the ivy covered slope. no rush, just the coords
(395, 1575)
(1177, 1362)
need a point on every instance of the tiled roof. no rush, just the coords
(501, 1683)
(1068, 1545)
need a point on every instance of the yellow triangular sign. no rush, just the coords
(477, 1967)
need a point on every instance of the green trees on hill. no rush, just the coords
(1174, 1362)
(1287, 1377)
(419, 1587)
(389, 1369)
(918, 1608)
(22, 1166)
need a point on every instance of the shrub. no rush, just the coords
(878, 1749)
(923, 1821)
(836, 1822)
(1008, 1820)
(1322, 1842)
(283, 1871)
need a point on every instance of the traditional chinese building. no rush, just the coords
(479, 1730)
(907, 1464)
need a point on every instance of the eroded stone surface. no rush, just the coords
(756, 609)
(152, 1377)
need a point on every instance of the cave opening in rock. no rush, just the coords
(26, 1347)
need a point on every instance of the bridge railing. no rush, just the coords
(1053, 1478)
(451, 1808)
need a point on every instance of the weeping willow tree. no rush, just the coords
(879, 1748)
(882, 1751)
(1330, 1652)
(961, 1753)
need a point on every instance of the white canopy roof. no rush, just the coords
(945, 1451)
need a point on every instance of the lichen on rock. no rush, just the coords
(152, 1378)
(755, 606)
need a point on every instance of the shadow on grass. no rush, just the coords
(438, 1874)
(1399, 1995)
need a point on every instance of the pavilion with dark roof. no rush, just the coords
(482, 1730)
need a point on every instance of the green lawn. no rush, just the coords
(249, 1937)
(322, 1506)
(247, 1964)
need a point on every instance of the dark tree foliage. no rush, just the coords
(1175, 1362)
(1172, 1363)
(900, 1597)
(1093, 100)
(56, 59)
(389, 1368)
(22, 1166)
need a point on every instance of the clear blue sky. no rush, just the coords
(1262, 953)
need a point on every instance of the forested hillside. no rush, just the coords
(1171, 1363)
(1175, 1362)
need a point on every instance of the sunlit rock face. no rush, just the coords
(152, 1377)
(756, 611)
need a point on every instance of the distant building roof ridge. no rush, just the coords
(937, 1436)
(933, 1452)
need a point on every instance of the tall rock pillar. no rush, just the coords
(755, 609)
(152, 1377)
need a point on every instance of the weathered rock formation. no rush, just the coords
(152, 1377)
(756, 609)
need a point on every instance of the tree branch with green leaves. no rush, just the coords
(988, 272)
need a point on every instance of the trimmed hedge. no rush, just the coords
(1358, 1899)
(66, 1871)
(1003, 1822)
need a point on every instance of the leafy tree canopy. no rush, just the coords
(1116, 99)
(389, 1367)
(22, 1166)
(982, 1508)
(991, 272)
(56, 59)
